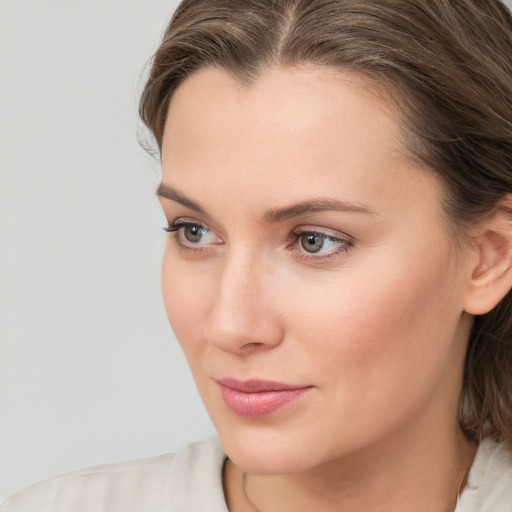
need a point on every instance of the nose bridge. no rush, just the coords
(240, 289)
(241, 316)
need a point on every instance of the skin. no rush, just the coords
(375, 323)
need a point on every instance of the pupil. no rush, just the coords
(193, 233)
(312, 243)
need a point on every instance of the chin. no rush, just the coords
(263, 450)
(267, 460)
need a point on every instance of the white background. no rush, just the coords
(90, 370)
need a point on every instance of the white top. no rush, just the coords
(191, 481)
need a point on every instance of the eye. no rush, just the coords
(194, 233)
(312, 242)
(190, 234)
(316, 244)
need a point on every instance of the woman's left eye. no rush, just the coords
(315, 243)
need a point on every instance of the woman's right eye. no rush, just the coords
(190, 234)
(194, 233)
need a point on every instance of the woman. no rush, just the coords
(337, 178)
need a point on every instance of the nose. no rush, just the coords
(243, 317)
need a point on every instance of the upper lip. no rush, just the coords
(257, 385)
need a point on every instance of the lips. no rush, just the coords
(258, 398)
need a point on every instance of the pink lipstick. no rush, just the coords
(258, 398)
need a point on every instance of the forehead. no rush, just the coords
(285, 101)
(304, 131)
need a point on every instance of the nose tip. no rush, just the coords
(242, 328)
(242, 319)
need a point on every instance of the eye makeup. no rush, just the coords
(313, 243)
(307, 243)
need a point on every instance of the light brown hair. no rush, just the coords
(447, 64)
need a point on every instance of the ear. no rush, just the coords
(491, 278)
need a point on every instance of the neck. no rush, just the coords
(402, 474)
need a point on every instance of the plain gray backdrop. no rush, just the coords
(90, 370)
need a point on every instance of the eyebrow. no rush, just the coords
(275, 215)
(312, 206)
(168, 192)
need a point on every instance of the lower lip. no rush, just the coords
(259, 404)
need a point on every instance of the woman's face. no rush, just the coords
(309, 278)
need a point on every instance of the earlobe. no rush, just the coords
(491, 277)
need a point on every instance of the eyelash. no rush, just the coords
(175, 229)
(345, 243)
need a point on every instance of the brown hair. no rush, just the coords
(448, 66)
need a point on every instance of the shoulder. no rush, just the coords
(185, 480)
(489, 485)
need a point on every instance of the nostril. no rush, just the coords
(252, 346)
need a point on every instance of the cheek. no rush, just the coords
(183, 293)
(376, 333)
